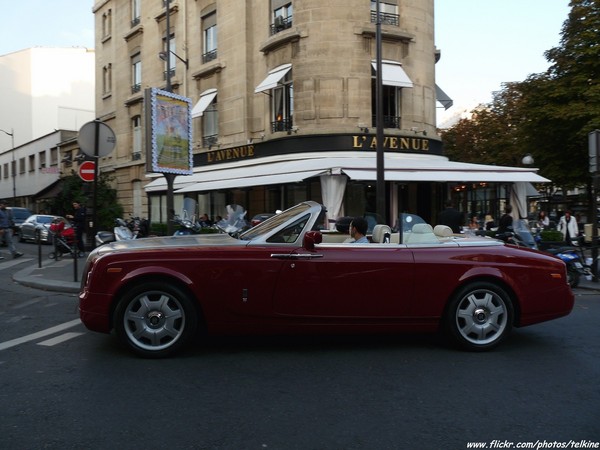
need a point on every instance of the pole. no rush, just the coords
(380, 186)
(95, 184)
(169, 176)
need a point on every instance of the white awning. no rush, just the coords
(290, 168)
(392, 74)
(443, 98)
(234, 183)
(206, 99)
(273, 78)
(448, 176)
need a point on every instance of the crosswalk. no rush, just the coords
(62, 337)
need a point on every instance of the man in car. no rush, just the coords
(358, 230)
(6, 230)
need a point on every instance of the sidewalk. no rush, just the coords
(59, 276)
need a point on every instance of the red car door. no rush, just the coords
(346, 281)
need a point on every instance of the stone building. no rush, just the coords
(283, 95)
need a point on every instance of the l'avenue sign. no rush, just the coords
(319, 143)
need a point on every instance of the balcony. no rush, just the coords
(135, 88)
(210, 140)
(388, 122)
(281, 125)
(281, 23)
(209, 56)
(386, 18)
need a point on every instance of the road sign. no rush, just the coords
(87, 170)
(96, 139)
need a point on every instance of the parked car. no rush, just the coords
(41, 223)
(19, 216)
(283, 276)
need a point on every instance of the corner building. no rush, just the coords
(283, 95)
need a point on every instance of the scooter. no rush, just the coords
(576, 267)
(123, 231)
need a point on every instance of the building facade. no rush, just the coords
(283, 95)
(43, 90)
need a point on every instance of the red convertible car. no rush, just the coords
(284, 276)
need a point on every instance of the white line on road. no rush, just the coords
(59, 339)
(39, 334)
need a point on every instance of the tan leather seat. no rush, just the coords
(381, 234)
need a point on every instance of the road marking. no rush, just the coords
(59, 339)
(39, 334)
(9, 261)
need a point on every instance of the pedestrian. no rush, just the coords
(568, 226)
(6, 229)
(543, 220)
(506, 221)
(451, 217)
(78, 219)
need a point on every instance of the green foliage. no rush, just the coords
(551, 236)
(74, 189)
(548, 115)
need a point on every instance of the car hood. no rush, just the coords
(171, 242)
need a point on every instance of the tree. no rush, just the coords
(74, 189)
(548, 115)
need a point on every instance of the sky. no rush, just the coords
(483, 42)
(487, 42)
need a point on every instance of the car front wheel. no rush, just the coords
(480, 316)
(155, 320)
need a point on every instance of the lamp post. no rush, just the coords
(14, 165)
(380, 173)
(169, 177)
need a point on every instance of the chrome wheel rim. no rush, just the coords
(481, 317)
(154, 320)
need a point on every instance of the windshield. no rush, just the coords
(270, 224)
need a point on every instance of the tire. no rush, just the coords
(479, 316)
(573, 277)
(155, 319)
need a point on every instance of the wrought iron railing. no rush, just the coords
(388, 121)
(209, 56)
(386, 18)
(281, 23)
(281, 125)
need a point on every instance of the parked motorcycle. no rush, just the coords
(124, 230)
(572, 256)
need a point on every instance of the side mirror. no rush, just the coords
(311, 238)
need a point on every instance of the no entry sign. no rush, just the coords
(86, 170)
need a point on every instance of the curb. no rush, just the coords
(25, 278)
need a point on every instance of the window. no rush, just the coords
(42, 160)
(5, 170)
(209, 32)
(32, 163)
(210, 124)
(388, 11)
(107, 79)
(170, 52)
(21, 165)
(53, 156)
(136, 12)
(393, 78)
(282, 15)
(136, 148)
(282, 107)
(136, 73)
(106, 23)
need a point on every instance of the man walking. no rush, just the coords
(6, 229)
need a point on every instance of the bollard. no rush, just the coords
(75, 254)
(38, 239)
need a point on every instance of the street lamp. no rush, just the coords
(14, 165)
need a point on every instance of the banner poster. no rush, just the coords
(169, 134)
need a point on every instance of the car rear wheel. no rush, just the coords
(480, 316)
(155, 320)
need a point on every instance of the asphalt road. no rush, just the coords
(62, 387)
